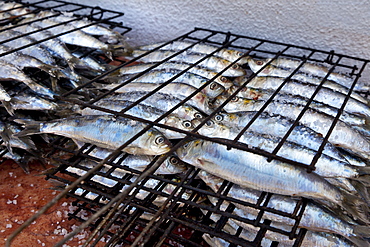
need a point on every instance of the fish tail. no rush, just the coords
(358, 241)
(51, 70)
(356, 207)
(8, 107)
(31, 127)
(73, 62)
(365, 178)
(363, 231)
(362, 190)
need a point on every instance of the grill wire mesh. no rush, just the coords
(134, 208)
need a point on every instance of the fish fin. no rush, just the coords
(360, 241)
(8, 107)
(362, 190)
(356, 207)
(73, 62)
(31, 127)
(6, 135)
(360, 230)
(365, 179)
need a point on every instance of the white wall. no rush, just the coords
(340, 25)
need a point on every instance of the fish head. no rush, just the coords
(174, 164)
(214, 89)
(154, 142)
(256, 64)
(185, 151)
(188, 112)
(211, 128)
(224, 81)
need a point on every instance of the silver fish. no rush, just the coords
(355, 121)
(145, 112)
(212, 90)
(324, 95)
(76, 37)
(11, 72)
(54, 45)
(104, 131)
(314, 217)
(178, 90)
(92, 29)
(209, 74)
(16, 40)
(212, 63)
(27, 101)
(342, 135)
(230, 123)
(288, 65)
(224, 53)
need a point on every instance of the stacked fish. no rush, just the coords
(33, 72)
(176, 90)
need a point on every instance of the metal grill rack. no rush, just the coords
(141, 208)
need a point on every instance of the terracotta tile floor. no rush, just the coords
(21, 196)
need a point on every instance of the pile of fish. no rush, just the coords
(181, 86)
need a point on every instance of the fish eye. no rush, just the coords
(186, 145)
(209, 123)
(213, 86)
(235, 99)
(235, 66)
(186, 124)
(223, 79)
(210, 104)
(159, 140)
(240, 54)
(259, 62)
(219, 118)
(174, 160)
(198, 115)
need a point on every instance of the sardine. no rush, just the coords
(25, 61)
(28, 101)
(76, 37)
(212, 63)
(209, 74)
(224, 53)
(288, 65)
(11, 72)
(145, 112)
(112, 36)
(162, 101)
(179, 90)
(342, 135)
(314, 217)
(104, 131)
(324, 95)
(355, 121)
(54, 45)
(276, 177)
(273, 125)
(212, 90)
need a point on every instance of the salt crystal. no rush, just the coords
(59, 214)
(32, 210)
(64, 204)
(19, 185)
(2, 231)
(31, 185)
(16, 196)
(9, 202)
(8, 226)
(39, 241)
(11, 174)
(15, 202)
(20, 222)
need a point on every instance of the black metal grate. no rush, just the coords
(173, 210)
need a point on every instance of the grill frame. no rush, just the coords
(161, 231)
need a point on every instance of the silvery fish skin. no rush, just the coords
(359, 123)
(324, 95)
(209, 74)
(305, 79)
(212, 90)
(106, 132)
(76, 37)
(15, 9)
(314, 217)
(4, 96)
(145, 112)
(162, 101)
(342, 135)
(94, 29)
(212, 63)
(224, 53)
(25, 61)
(9, 71)
(34, 51)
(27, 101)
(326, 166)
(311, 238)
(54, 45)
(276, 177)
(289, 65)
(88, 62)
(179, 90)
(230, 123)
(7, 131)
